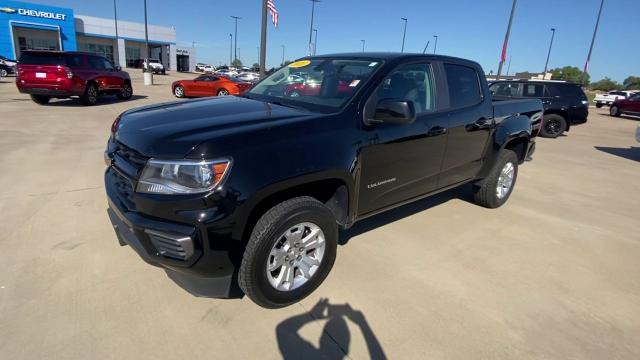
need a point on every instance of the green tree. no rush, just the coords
(632, 83)
(255, 65)
(605, 84)
(236, 63)
(569, 73)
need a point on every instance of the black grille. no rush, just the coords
(124, 188)
(128, 160)
(172, 246)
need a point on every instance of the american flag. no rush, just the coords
(274, 12)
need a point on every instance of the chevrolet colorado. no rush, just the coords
(253, 189)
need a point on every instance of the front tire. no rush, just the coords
(178, 91)
(90, 96)
(494, 190)
(40, 99)
(3, 73)
(599, 105)
(290, 252)
(554, 125)
(614, 110)
(126, 92)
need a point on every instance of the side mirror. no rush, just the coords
(395, 111)
(118, 68)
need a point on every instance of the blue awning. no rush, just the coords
(35, 26)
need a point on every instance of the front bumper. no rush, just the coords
(201, 263)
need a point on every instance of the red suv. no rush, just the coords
(54, 74)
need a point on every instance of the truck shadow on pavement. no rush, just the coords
(462, 192)
(335, 339)
(630, 153)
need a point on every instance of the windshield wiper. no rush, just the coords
(288, 105)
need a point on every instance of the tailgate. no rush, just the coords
(42, 74)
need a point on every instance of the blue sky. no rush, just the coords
(466, 28)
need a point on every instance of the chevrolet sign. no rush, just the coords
(35, 13)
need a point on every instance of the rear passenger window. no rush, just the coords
(506, 89)
(464, 86)
(74, 60)
(533, 90)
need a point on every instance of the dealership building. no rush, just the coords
(28, 26)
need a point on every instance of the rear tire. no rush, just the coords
(222, 92)
(40, 99)
(90, 96)
(3, 73)
(267, 254)
(554, 125)
(614, 110)
(599, 105)
(494, 190)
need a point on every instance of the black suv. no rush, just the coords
(564, 103)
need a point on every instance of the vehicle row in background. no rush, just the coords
(564, 103)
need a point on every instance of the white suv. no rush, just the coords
(155, 66)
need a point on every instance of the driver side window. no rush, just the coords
(411, 82)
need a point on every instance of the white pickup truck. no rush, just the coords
(608, 99)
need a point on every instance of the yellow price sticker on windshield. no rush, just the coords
(299, 64)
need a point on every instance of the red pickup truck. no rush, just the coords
(54, 74)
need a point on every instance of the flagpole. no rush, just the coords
(593, 40)
(263, 39)
(503, 55)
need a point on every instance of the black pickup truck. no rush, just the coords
(252, 190)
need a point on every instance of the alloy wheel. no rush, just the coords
(296, 256)
(505, 180)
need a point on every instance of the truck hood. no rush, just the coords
(174, 129)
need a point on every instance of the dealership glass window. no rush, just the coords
(133, 54)
(98, 49)
(37, 44)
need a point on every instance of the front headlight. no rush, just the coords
(182, 176)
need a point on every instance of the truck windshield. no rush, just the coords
(321, 84)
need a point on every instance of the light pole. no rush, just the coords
(230, 49)
(315, 41)
(503, 55)
(553, 33)
(115, 19)
(235, 54)
(313, 8)
(282, 63)
(404, 34)
(424, 51)
(362, 45)
(146, 32)
(435, 45)
(263, 39)
(593, 40)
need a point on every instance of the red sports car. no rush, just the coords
(209, 85)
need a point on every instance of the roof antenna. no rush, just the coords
(425, 47)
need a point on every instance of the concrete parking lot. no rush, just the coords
(554, 274)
